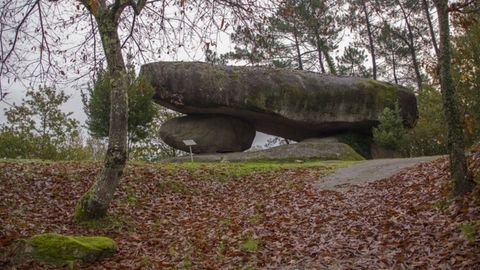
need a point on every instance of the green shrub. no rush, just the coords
(429, 137)
(390, 133)
(38, 128)
(14, 146)
(141, 109)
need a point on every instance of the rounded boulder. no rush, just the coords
(211, 133)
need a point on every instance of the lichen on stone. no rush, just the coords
(61, 250)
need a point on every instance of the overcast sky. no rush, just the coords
(16, 90)
(73, 66)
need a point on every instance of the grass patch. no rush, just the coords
(469, 230)
(256, 218)
(226, 171)
(226, 222)
(131, 196)
(443, 203)
(109, 223)
(250, 245)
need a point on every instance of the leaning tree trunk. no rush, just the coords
(394, 66)
(330, 62)
(411, 47)
(426, 9)
(94, 204)
(320, 53)
(297, 48)
(370, 39)
(458, 162)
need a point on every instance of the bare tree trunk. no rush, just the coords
(394, 65)
(330, 62)
(458, 162)
(370, 40)
(430, 26)
(411, 47)
(320, 54)
(94, 204)
(297, 47)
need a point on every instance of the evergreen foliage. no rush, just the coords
(466, 70)
(429, 137)
(141, 108)
(390, 133)
(351, 63)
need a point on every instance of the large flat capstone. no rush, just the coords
(288, 103)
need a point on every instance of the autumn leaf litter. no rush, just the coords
(174, 217)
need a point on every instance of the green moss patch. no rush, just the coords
(250, 245)
(80, 213)
(61, 250)
(385, 93)
(469, 230)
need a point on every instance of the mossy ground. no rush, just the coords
(61, 250)
(225, 171)
(469, 230)
(250, 245)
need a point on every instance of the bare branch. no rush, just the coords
(130, 34)
(17, 31)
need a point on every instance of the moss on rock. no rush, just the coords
(386, 93)
(61, 250)
(360, 143)
(348, 154)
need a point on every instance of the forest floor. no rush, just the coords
(248, 216)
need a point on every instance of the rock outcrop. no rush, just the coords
(62, 250)
(212, 133)
(318, 149)
(295, 105)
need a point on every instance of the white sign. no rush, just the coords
(189, 142)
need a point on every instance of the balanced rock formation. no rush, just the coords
(295, 105)
(211, 133)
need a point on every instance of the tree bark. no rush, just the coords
(430, 26)
(458, 162)
(94, 204)
(394, 65)
(330, 62)
(297, 47)
(370, 40)
(320, 53)
(411, 47)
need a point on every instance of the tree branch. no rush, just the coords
(17, 31)
(94, 6)
(118, 6)
(131, 30)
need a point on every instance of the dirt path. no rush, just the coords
(368, 171)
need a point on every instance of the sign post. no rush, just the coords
(190, 143)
